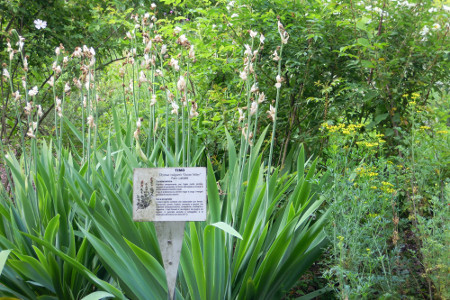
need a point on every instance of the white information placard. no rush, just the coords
(169, 194)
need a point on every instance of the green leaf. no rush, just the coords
(367, 64)
(363, 42)
(381, 117)
(52, 229)
(3, 257)
(74, 130)
(97, 296)
(228, 229)
(213, 195)
(315, 294)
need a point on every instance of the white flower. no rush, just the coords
(153, 6)
(243, 75)
(136, 134)
(253, 108)
(262, 98)
(25, 63)
(58, 109)
(57, 51)
(6, 73)
(90, 121)
(39, 24)
(436, 26)
(183, 40)
(20, 43)
(39, 112)
(28, 108)
(163, 49)
(248, 50)
(279, 80)
(17, 95)
(425, 30)
(33, 92)
(177, 30)
(153, 100)
(181, 84)
(283, 34)
(67, 88)
(170, 96)
(174, 63)
(51, 81)
(77, 52)
(138, 124)
(30, 132)
(234, 16)
(254, 88)
(241, 115)
(9, 48)
(129, 36)
(284, 37)
(92, 50)
(142, 77)
(271, 112)
(262, 38)
(253, 34)
(275, 56)
(193, 113)
(175, 108)
(192, 52)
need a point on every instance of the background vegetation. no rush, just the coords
(362, 85)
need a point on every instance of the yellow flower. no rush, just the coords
(442, 132)
(340, 237)
(373, 187)
(425, 127)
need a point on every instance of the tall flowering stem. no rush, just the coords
(188, 146)
(284, 38)
(275, 117)
(18, 115)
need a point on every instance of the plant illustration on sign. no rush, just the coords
(145, 194)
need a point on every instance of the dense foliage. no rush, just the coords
(235, 86)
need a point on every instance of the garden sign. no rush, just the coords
(169, 197)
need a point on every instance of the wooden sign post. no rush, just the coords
(169, 197)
